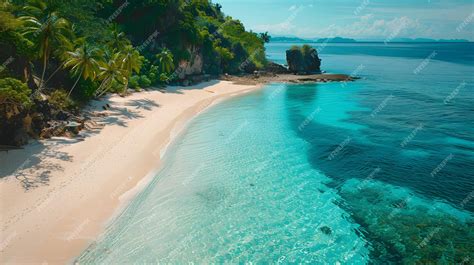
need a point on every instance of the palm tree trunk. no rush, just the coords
(44, 72)
(128, 75)
(55, 71)
(77, 81)
(25, 74)
(100, 91)
(45, 63)
(125, 87)
(101, 85)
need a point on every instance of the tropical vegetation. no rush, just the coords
(86, 48)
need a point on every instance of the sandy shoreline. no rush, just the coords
(57, 195)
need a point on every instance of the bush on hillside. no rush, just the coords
(14, 95)
(60, 100)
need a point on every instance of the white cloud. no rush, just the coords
(280, 28)
(373, 24)
(286, 27)
(450, 12)
(366, 26)
(369, 27)
(367, 17)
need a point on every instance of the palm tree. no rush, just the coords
(108, 72)
(265, 37)
(117, 39)
(83, 62)
(47, 28)
(131, 61)
(166, 61)
(62, 53)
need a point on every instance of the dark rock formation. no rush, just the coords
(193, 80)
(248, 67)
(44, 121)
(12, 131)
(275, 68)
(303, 60)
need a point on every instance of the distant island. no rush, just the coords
(427, 40)
(349, 40)
(316, 40)
(290, 39)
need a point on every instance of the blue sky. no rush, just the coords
(359, 19)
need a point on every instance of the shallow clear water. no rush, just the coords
(379, 170)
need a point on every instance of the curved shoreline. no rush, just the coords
(89, 182)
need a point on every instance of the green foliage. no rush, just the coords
(116, 86)
(15, 93)
(22, 45)
(84, 61)
(265, 37)
(306, 49)
(144, 81)
(134, 82)
(295, 48)
(15, 104)
(225, 56)
(165, 61)
(103, 43)
(153, 74)
(59, 99)
(131, 62)
(46, 28)
(92, 47)
(8, 21)
(130, 59)
(165, 79)
(111, 73)
(233, 32)
(116, 39)
(9, 35)
(87, 91)
(186, 25)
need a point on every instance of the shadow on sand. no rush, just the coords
(32, 166)
(180, 89)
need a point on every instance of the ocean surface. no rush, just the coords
(377, 171)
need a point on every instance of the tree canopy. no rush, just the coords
(66, 52)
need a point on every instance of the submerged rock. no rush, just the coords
(407, 229)
(326, 230)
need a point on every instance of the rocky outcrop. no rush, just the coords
(194, 79)
(44, 121)
(193, 66)
(12, 131)
(303, 60)
(275, 68)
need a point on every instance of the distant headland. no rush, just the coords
(277, 39)
(315, 40)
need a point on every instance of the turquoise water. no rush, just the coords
(375, 171)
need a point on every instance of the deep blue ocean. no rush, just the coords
(378, 171)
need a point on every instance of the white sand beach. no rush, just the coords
(58, 195)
